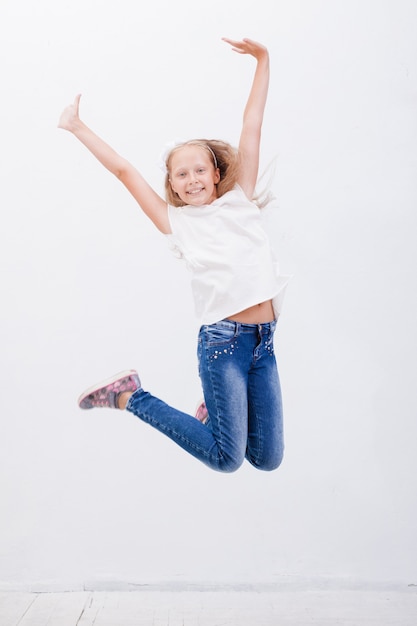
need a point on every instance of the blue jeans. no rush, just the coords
(242, 393)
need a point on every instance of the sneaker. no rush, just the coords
(105, 394)
(201, 413)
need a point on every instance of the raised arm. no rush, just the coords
(250, 138)
(151, 203)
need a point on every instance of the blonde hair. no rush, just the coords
(223, 156)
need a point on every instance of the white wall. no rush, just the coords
(88, 288)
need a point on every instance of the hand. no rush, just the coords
(248, 46)
(70, 119)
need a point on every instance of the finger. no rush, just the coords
(232, 42)
(77, 102)
(237, 46)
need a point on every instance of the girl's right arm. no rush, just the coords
(151, 203)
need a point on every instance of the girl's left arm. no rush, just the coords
(250, 137)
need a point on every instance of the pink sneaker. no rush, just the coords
(105, 394)
(201, 413)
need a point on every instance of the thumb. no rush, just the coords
(77, 102)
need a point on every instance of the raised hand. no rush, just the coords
(247, 46)
(70, 119)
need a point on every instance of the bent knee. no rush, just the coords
(228, 465)
(268, 463)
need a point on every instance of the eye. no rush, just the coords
(201, 170)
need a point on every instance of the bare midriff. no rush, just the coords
(258, 314)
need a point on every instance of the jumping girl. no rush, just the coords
(212, 219)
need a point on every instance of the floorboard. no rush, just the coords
(210, 608)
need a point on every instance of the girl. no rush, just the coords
(211, 218)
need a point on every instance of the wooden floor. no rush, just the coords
(210, 608)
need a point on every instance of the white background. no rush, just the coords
(89, 287)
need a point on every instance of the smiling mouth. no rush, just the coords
(192, 192)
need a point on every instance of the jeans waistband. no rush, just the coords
(266, 327)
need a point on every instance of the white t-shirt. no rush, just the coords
(229, 254)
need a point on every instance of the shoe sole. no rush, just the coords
(104, 383)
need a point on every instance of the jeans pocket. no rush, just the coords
(219, 334)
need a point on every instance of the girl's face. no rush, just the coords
(193, 175)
